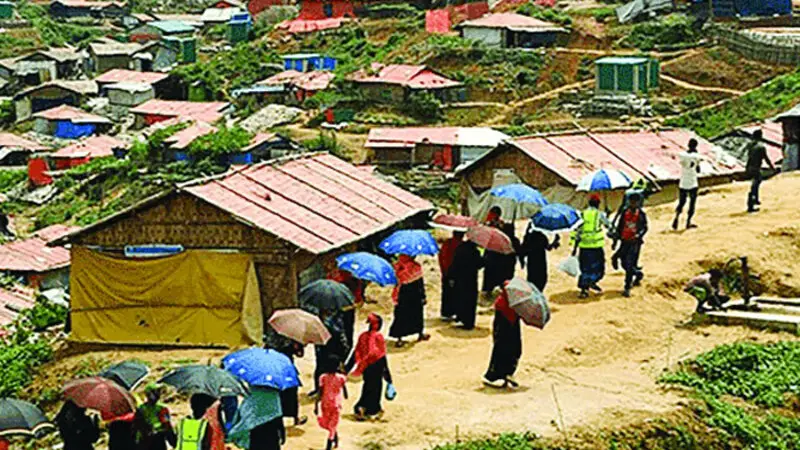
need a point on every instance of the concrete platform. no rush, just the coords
(755, 319)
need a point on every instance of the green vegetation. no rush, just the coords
(45, 314)
(600, 14)
(223, 142)
(54, 33)
(423, 106)
(11, 46)
(553, 15)
(775, 96)
(675, 30)
(10, 179)
(21, 353)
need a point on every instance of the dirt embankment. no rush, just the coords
(600, 356)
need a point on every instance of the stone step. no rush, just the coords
(754, 319)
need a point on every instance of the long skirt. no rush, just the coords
(449, 303)
(507, 348)
(409, 312)
(372, 388)
(593, 266)
(289, 403)
(499, 268)
(349, 320)
(267, 436)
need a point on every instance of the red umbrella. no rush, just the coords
(454, 222)
(491, 238)
(100, 394)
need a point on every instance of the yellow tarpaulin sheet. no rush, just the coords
(195, 298)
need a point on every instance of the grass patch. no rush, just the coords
(674, 30)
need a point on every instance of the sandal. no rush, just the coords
(302, 420)
(424, 337)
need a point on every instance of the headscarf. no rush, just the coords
(212, 417)
(355, 285)
(447, 252)
(501, 305)
(493, 218)
(407, 271)
(371, 346)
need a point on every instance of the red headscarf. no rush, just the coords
(371, 346)
(407, 271)
(215, 427)
(595, 197)
(493, 219)
(355, 285)
(447, 251)
(501, 305)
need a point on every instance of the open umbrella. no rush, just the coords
(100, 394)
(453, 222)
(199, 379)
(491, 238)
(528, 302)
(260, 407)
(263, 367)
(604, 180)
(127, 374)
(410, 242)
(367, 266)
(300, 326)
(326, 295)
(522, 199)
(555, 218)
(20, 418)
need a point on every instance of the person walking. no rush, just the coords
(688, 185)
(258, 424)
(216, 425)
(409, 301)
(533, 253)
(507, 343)
(289, 400)
(630, 229)
(499, 267)
(588, 242)
(120, 434)
(332, 388)
(756, 156)
(369, 361)
(335, 348)
(356, 286)
(446, 255)
(193, 431)
(78, 431)
(467, 262)
(152, 426)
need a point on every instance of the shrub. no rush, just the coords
(222, 142)
(9, 179)
(669, 31)
(45, 314)
(424, 106)
(20, 354)
(544, 13)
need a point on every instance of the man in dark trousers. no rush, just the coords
(756, 156)
(690, 168)
(631, 228)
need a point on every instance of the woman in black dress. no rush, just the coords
(507, 339)
(533, 252)
(289, 401)
(369, 360)
(409, 297)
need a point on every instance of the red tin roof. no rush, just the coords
(33, 254)
(9, 140)
(200, 111)
(71, 113)
(415, 77)
(92, 147)
(512, 21)
(131, 76)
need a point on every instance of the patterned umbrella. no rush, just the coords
(199, 379)
(528, 302)
(520, 193)
(100, 394)
(263, 367)
(604, 180)
(410, 242)
(300, 326)
(554, 218)
(127, 374)
(326, 295)
(491, 238)
(367, 266)
(20, 418)
(453, 222)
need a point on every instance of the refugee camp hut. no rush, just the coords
(158, 29)
(239, 27)
(86, 150)
(266, 146)
(123, 96)
(255, 234)
(155, 111)
(442, 147)
(555, 163)
(299, 86)
(185, 47)
(105, 55)
(790, 124)
(509, 30)
(643, 9)
(217, 16)
(627, 74)
(52, 94)
(68, 9)
(35, 264)
(68, 122)
(13, 300)
(307, 62)
(15, 150)
(394, 83)
(68, 62)
(737, 142)
(178, 144)
(162, 84)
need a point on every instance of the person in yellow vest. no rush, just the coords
(588, 241)
(193, 432)
(152, 427)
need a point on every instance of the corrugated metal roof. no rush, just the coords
(218, 15)
(317, 201)
(316, 80)
(71, 113)
(114, 48)
(172, 26)
(131, 76)
(9, 140)
(13, 299)
(91, 147)
(512, 21)
(184, 138)
(637, 153)
(54, 232)
(58, 54)
(416, 77)
(33, 254)
(463, 136)
(773, 138)
(80, 87)
(200, 111)
(88, 4)
(308, 26)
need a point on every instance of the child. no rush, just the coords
(332, 387)
(706, 289)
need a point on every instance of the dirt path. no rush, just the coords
(695, 87)
(602, 355)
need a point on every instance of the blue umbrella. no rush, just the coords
(367, 266)
(263, 367)
(604, 180)
(556, 217)
(520, 193)
(410, 242)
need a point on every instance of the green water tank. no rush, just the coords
(632, 74)
(6, 10)
(238, 32)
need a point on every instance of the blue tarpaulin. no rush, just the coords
(753, 8)
(69, 130)
(241, 158)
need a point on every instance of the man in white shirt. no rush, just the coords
(690, 167)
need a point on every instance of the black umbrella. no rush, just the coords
(325, 295)
(208, 380)
(19, 417)
(127, 374)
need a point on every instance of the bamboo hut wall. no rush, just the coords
(527, 169)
